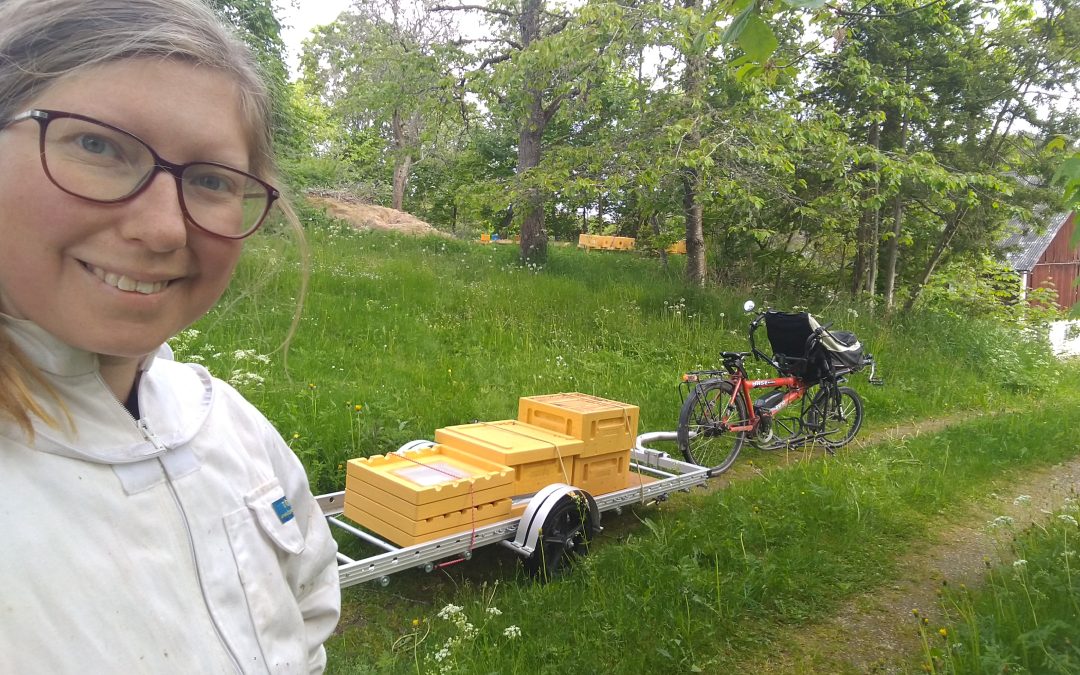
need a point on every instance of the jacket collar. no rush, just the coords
(174, 399)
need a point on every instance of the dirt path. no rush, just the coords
(876, 632)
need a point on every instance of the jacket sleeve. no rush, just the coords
(313, 574)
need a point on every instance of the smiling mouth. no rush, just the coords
(126, 283)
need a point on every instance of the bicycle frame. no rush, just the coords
(743, 385)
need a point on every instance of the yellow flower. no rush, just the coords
(358, 407)
(311, 385)
(415, 622)
(943, 632)
(914, 612)
(296, 435)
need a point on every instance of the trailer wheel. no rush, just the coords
(565, 536)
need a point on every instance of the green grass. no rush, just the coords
(1026, 616)
(402, 336)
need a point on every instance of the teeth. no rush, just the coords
(125, 283)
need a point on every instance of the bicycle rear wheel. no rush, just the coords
(837, 415)
(703, 433)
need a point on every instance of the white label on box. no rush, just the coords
(427, 475)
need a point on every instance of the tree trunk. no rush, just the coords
(401, 179)
(533, 235)
(897, 225)
(692, 86)
(865, 235)
(893, 251)
(402, 160)
(695, 232)
(939, 251)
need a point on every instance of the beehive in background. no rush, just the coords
(538, 456)
(427, 493)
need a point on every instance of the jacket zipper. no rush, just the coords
(150, 436)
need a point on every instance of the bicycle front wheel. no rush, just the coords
(706, 416)
(839, 414)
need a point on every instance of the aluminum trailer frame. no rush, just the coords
(520, 534)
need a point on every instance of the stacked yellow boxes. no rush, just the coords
(607, 429)
(538, 456)
(428, 493)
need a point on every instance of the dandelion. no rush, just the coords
(1066, 518)
(357, 407)
(943, 632)
(415, 622)
(311, 385)
(295, 435)
(1022, 500)
(512, 632)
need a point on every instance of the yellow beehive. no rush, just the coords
(400, 537)
(538, 456)
(356, 490)
(622, 243)
(605, 426)
(430, 475)
(600, 474)
(678, 247)
(460, 520)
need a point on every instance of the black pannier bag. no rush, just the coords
(798, 351)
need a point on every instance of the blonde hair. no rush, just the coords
(42, 41)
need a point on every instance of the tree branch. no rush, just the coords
(479, 8)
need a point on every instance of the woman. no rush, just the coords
(153, 520)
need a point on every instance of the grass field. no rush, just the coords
(401, 336)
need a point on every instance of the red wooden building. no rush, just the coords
(1047, 258)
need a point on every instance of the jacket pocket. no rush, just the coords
(265, 540)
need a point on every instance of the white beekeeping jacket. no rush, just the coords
(185, 542)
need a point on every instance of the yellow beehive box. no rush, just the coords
(678, 247)
(605, 426)
(461, 520)
(622, 243)
(432, 474)
(600, 474)
(403, 538)
(356, 490)
(538, 456)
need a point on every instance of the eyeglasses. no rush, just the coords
(99, 162)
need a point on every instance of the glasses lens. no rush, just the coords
(223, 200)
(94, 161)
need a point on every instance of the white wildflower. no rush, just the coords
(1022, 500)
(1066, 518)
(512, 632)
(494, 611)
(451, 612)
(1002, 521)
(1020, 564)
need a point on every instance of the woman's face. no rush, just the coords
(65, 260)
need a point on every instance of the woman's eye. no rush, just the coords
(96, 145)
(213, 183)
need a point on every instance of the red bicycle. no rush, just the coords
(806, 404)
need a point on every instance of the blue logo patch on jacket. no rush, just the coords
(283, 509)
